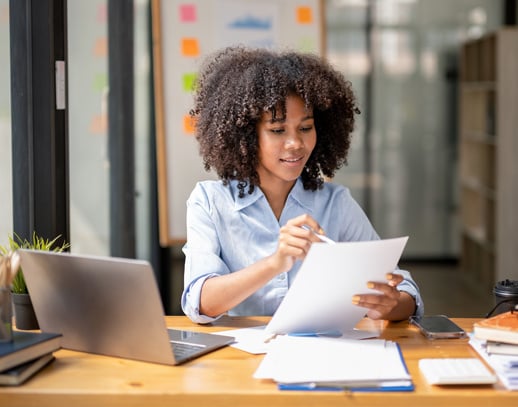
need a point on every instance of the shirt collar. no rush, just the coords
(248, 199)
(304, 197)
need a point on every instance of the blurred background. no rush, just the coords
(402, 57)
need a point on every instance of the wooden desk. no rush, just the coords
(224, 378)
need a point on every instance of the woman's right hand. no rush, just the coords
(295, 241)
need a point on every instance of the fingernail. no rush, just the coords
(356, 299)
(321, 231)
(389, 276)
(370, 284)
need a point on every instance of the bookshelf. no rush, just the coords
(488, 149)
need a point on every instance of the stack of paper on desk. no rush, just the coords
(328, 362)
(505, 366)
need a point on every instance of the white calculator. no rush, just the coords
(443, 371)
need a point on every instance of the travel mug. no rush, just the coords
(506, 295)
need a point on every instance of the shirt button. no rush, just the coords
(282, 277)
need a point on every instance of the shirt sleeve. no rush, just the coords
(201, 251)
(409, 286)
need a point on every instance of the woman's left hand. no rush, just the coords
(381, 304)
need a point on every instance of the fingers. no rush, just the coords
(384, 300)
(306, 220)
(295, 241)
(294, 234)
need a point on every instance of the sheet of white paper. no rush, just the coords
(253, 340)
(320, 297)
(499, 363)
(324, 360)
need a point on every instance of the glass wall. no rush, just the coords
(6, 189)
(401, 56)
(88, 124)
(143, 112)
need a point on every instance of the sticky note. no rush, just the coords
(99, 124)
(102, 13)
(188, 124)
(101, 47)
(100, 82)
(188, 81)
(190, 47)
(307, 44)
(304, 15)
(187, 13)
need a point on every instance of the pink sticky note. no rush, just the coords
(187, 13)
(102, 13)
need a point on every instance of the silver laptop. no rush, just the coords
(109, 306)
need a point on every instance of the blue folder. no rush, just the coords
(382, 386)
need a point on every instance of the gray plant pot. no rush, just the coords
(24, 315)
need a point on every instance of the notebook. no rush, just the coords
(109, 306)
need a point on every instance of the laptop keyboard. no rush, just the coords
(184, 350)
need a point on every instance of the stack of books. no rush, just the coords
(496, 340)
(500, 333)
(25, 355)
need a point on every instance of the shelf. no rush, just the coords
(488, 96)
(479, 137)
(477, 235)
(479, 188)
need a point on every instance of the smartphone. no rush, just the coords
(438, 327)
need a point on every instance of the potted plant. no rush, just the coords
(23, 310)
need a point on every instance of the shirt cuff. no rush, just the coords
(191, 302)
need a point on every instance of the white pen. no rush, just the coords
(321, 237)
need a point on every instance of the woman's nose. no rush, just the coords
(293, 140)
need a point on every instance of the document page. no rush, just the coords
(320, 298)
(332, 361)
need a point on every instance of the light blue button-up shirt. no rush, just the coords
(226, 233)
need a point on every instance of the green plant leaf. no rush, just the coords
(15, 242)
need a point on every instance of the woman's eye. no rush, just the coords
(306, 129)
(277, 131)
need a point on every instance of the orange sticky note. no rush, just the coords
(188, 124)
(190, 47)
(101, 47)
(99, 124)
(304, 15)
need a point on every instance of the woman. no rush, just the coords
(272, 125)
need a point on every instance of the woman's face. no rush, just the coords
(285, 143)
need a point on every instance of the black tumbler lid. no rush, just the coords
(506, 288)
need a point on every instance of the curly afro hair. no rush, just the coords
(236, 85)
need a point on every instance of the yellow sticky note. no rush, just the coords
(190, 47)
(188, 124)
(304, 15)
